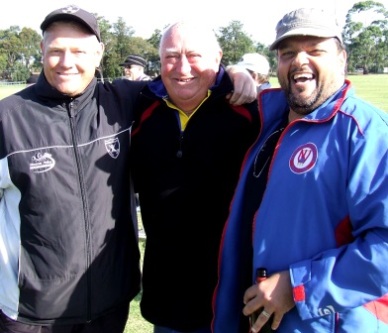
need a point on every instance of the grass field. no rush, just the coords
(136, 323)
(372, 88)
(11, 89)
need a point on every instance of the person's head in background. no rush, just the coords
(72, 49)
(190, 58)
(134, 66)
(258, 66)
(32, 79)
(311, 58)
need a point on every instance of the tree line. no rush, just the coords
(366, 42)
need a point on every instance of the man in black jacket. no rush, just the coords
(188, 144)
(69, 258)
(69, 253)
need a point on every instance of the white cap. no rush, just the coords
(255, 62)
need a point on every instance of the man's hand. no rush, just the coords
(244, 86)
(273, 296)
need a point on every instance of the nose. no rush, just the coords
(67, 59)
(301, 58)
(183, 65)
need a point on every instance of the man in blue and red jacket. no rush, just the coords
(320, 226)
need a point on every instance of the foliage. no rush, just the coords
(30, 41)
(234, 42)
(153, 57)
(19, 53)
(366, 45)
(367, 41)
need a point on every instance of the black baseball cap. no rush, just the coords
(134, 60)
(73, 13)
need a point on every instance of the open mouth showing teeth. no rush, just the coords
(303, 77)
(184, 80)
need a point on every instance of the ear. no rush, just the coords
(219, 56)
(99, 54)
(343, 59)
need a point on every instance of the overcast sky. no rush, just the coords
(259, 18)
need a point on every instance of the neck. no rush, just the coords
(187, 107)
(188, 113)
(292, 115)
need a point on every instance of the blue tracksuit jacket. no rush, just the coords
(323, 217)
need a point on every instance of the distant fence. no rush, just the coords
(6, 83)
(15, 83)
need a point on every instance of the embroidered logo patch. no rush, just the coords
(326, 310)
(113, 147)
(41, 162)
(304, 158)
(70, 9)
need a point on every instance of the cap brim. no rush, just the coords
(247, 66)
(305, 32)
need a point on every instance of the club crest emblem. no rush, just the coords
(113, 147)
(304, 158)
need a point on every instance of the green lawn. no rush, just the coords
(373, 88)
(10, 89)
(136, 323)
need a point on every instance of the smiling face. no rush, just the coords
(310, 70)
(190, 59)
(70, 57)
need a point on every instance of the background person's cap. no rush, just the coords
(255, 62)
(134, 60)
(73, 13)
(307, 22)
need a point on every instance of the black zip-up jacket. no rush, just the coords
(68, 244)
(185, 182)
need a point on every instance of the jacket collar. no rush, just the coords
(274, 104)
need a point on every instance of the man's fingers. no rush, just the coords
(277, 318)
(262, 319)
(239, 99)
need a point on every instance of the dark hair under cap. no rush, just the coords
(134, 60)
(73, 13)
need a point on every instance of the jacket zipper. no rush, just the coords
(85, 208)
(179, 153)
